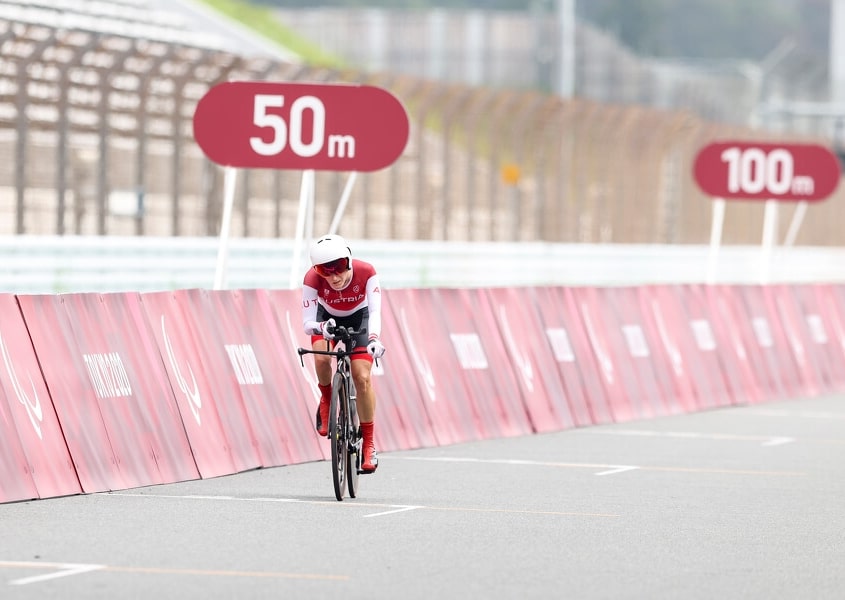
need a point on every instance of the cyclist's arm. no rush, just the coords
(309, 311)
(374, 306)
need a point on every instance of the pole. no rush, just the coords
(566, 16)
(836, 57)
(306, 195)
(715, 237)
(344, 200)
(770, 225)
(795, 224)
(229, 181)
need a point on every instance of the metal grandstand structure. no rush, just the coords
(129, 18)
(91, 82)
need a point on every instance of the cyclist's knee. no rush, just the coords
(362, 379)
(322, 364)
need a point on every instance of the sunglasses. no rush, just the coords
(335, 267)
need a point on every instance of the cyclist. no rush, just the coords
(340, 290)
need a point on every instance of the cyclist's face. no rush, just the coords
(338, 280)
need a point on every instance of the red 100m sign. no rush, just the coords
(752, 171)
(335, 127)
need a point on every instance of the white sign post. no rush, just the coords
(770, 226)
(229, 181)
(717, 223)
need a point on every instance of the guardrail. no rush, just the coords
(57, 264)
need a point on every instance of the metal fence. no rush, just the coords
(524, 50)
(96, 138)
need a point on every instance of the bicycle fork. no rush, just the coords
(355, 440)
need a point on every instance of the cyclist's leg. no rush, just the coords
(361, 373)
(323, 370)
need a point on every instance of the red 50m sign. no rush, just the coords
(764, 171)
(334, 127)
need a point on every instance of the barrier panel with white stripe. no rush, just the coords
(34, 461)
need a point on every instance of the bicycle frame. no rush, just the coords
(344, 427)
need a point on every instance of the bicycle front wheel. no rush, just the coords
(353, 458)
(337, 435)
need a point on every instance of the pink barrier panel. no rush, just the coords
(94, 366)
(458, 411)
(74, 396)
(575, 362)
(413, 321)
(832, 311)
(810, 358)
(404, 385)
(651, 366)
(532, 356)
(622, 350)
(705, 351)
(771, 339)
(214, 418)
(721, 347)
(34, 459)
(265, 371)
(675, 358)
(284, 313)
(756, 363)
(16, 482)
(838, 293)
(486, 367)
(123, 361)
(16, 476)
(822, 331)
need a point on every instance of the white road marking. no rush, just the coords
(63, 570)
(274, 499)
(200, 497)
(619, 469)
(765, 440)
(391, 512)
(779, 441)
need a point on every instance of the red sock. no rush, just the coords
(367, 431)
(325, 392)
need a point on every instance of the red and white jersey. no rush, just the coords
(362, 291)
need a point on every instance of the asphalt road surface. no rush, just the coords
(744, 502)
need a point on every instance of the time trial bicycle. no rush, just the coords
(344, 430)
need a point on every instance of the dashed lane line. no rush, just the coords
(765, 440)
(796, 414)
(603, 469)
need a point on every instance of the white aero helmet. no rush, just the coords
(331, 251)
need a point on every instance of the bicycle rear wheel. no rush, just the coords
(337, 435)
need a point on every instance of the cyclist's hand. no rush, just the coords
(375, 348)
(327, 328)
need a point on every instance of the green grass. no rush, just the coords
(261, 20)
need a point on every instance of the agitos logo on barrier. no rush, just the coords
(335, 127)
(766, 171)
